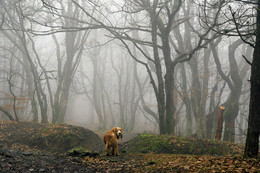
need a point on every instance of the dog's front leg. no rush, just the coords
(113, 151)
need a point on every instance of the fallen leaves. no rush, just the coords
(149, 162)
(191, 163)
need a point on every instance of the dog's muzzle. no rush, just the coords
(118, 135)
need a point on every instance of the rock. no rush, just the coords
(5, 153)
(75, 159)
(42, 170)
(151, 163)
(28, 153)
(81, 152)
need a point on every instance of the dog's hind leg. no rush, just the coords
(115, 150)
(107, 149)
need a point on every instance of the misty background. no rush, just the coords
(97, 64)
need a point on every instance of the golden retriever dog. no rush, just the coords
(111, 140)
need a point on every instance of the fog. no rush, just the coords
(161, 67)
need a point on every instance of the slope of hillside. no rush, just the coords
(49, 137)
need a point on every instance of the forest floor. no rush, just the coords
(31, 147)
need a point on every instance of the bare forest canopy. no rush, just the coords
(161, 66)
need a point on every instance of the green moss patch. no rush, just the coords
(149, 143)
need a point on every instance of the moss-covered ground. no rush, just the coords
(151, 143)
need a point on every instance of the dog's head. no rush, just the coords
(118, 131)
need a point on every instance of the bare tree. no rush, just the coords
(161, 18)
(68, 62)
(68, 54)
(241, 18)
(14, 30)
(234, 81)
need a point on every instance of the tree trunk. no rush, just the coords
(97, 91)
(220, 123)
(186, 101)
(196, 99)
(169, 102)
(232, 103)
(168, 83)
(6, 113)
(160, 95)
(230, 115)
(252, 139)
(235, 84)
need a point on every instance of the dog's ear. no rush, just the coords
(113, 129)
